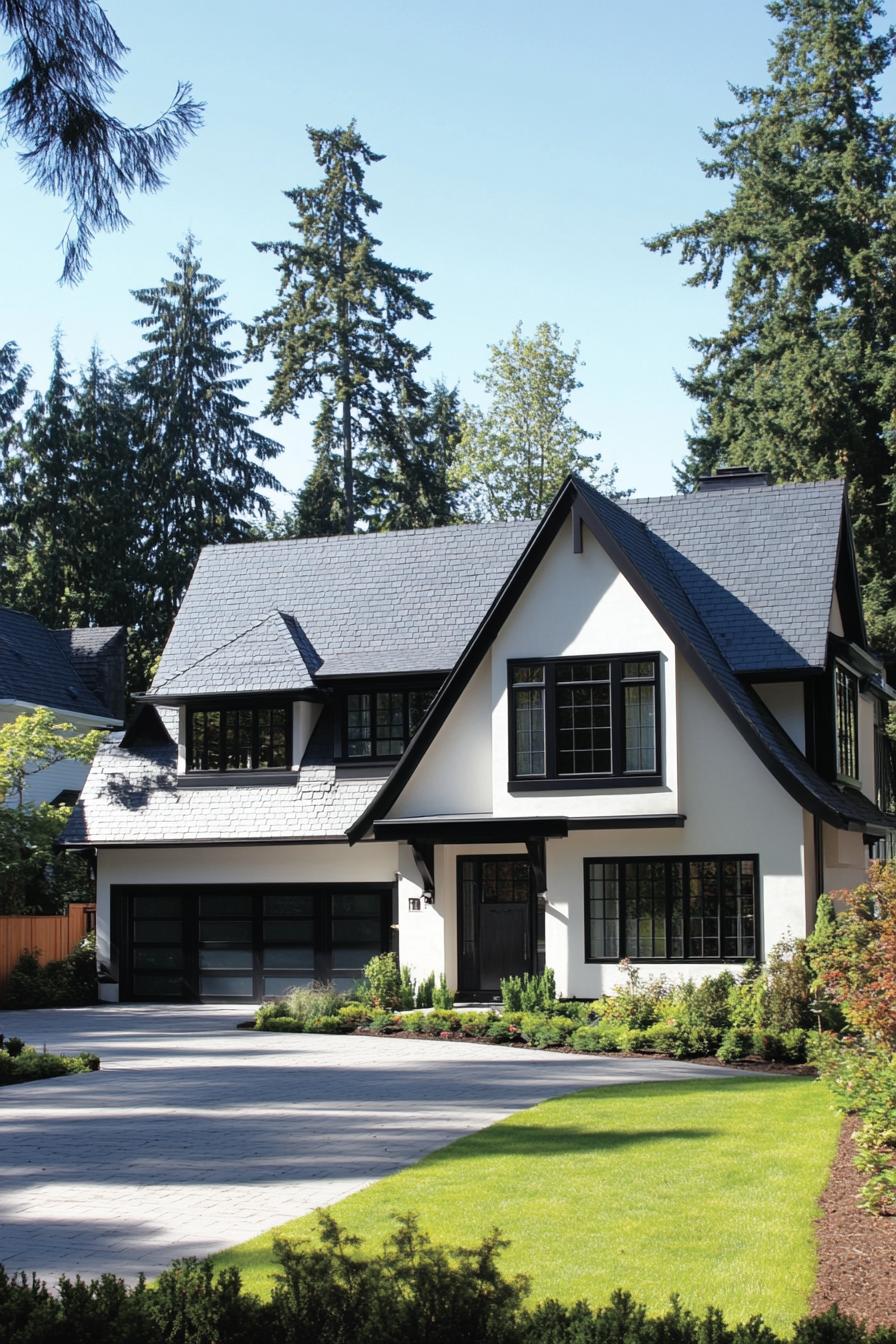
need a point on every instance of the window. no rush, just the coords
(593, 720)
(701, 909)
(379, 724)
(884, 760)
(846, 712)
(239, 737)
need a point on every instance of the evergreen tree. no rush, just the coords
(106, 492)
(65, 58)
(408, 466)
(333, 329)
(42, 496)
(802, 380)
(514, 455)
(199, 458)
(13, 386)
(318, 508)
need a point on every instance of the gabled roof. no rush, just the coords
(271, 654)
(644, 560)
(37, 669)
(758, 563)
(401, 602)
(99, 653)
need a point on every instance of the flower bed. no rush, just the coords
(21, 1063)
(761, 1015)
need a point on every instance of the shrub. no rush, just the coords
(862, 1077)
(29, 1065)
(382, 982)
(636, 1002)
(406, 989)
(442, 996)
(503, 1030)
(357, 1014)
(603, 1038)
(266, 1012)
(441, 1019)
(529, 993)
(425, 991)
(413, 1021)
(14, 1046)
(476, 1024)
(737, 1043)
(856, 962)
(68, 983)
(331, 1025)
(310, 1003)
(382, 1023)
(281, 1024)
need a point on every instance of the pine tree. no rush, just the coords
(103, 566)
(318, 508)
(65, 58)
(13, 387)
(407, 468)
(515, 454)
(333, 329)
(198, 456)
(43, 498)
(802, 380)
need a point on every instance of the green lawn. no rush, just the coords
(704, 1188)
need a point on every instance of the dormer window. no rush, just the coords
(846, 718)
(379, 724)
(238, 737)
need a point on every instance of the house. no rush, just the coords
(648, 729)
(77, 673)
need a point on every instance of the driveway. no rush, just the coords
(195, 1136)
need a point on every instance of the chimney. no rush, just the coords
(733, 478)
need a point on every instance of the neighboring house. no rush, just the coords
(647, 729)
(79, 674)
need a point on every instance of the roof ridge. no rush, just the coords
(218, 649)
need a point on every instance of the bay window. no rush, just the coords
(585, 720)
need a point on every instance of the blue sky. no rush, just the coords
(530, 148)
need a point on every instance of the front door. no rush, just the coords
(497, 921)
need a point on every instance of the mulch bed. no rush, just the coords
(856, 1250)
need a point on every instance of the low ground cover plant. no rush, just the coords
(20, 1063)
(68, 983)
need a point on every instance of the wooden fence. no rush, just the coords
(52, 936)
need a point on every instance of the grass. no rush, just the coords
(707, 1189)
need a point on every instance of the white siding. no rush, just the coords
(786, 700)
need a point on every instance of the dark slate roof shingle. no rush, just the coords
(386, 601)
(758, 564)
(271, 654)
(35, 667)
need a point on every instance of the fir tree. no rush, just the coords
(318, 508)
(802, 380)
(41, 486)
(408, 467)
(333, 329)
(13, 386)
(198, 456)
(103, 566)
(65, 56)
(514, 455)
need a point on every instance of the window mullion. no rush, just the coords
(667, 886)
(617, 731)
(551, 727)
(623, 949)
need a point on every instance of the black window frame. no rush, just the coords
(256, 707)
(668, 860)
(853, 683)
(618, 777)
(372, 691)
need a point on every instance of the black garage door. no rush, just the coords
(238, 942)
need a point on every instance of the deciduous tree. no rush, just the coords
(514, 454)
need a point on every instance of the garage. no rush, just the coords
(226, 943)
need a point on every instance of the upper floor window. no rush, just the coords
(884, 760)
(591, 720)
(846, 718)
(379, 724)
(238, 737)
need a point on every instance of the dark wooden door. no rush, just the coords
(503, 942)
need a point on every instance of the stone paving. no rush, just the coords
(195, 1136)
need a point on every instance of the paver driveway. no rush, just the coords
(195, 1136)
